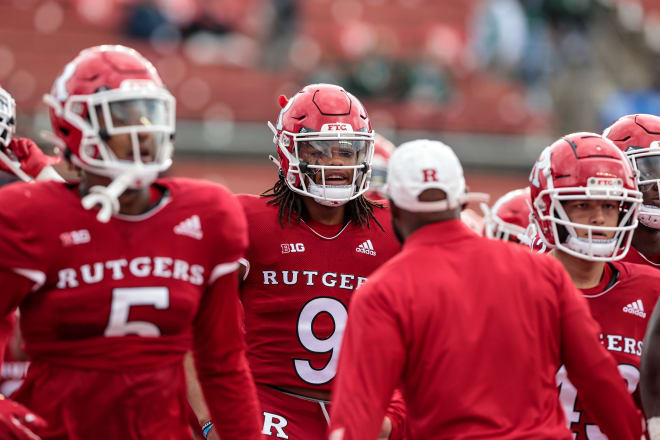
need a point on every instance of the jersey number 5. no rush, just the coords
(308, 339)
(123, 299)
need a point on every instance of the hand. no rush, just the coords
(29, 155)
(17, 422)
(386, 429)
(213, 435)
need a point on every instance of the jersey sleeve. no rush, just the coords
(14, 289)
(592, 369)
(222, 367)
(230, 240)
(370, 365)
(21, 249)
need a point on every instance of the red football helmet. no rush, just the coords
(324, 117)
(509, 217)
(583, 166)
(107, 91)
(639, 137)
(383, 149)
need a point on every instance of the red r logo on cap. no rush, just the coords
(429, 175)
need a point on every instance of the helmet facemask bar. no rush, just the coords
(503, 230)
(564, 230)
(646, 163)
(133, 111)
(304, 173)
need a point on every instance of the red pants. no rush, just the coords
(86, 404)
(292, 417)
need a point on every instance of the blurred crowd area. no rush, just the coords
(478, 66)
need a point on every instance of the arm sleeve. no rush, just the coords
(592, 369)
(650, 371)
(22, 247)
(219, 347)
(370, 365)
(14, 288)
(222, 367)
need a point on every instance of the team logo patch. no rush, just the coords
(366, 248)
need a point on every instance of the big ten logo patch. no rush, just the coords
(75, 237)
(274, 422)
(292, 247)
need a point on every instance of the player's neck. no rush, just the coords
(646, 240)
(584, 273)
(135, 202)
(327, 215)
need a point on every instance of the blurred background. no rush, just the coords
(498, 80)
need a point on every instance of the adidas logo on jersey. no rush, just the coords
(636, 308)
(191, 227)
(366, 248)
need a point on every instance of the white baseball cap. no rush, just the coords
(423, 164)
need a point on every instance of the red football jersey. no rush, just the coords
(622, 307)
(298, 289)
(115, 305)
(634, 256)
(474, 330)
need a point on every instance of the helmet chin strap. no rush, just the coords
(107, 197)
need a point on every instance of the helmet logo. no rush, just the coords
(337, 126)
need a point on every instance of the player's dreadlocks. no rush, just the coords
(359, 210)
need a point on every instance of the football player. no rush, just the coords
(109, 308)
(509, 217)
(459, 336)
(585, 207)
(638, 136)
(314, 240)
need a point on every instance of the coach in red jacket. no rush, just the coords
(473, 330)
